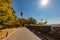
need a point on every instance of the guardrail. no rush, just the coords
(40, 28)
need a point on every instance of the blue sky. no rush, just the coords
(31, 8)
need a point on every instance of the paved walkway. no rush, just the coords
(23, 34)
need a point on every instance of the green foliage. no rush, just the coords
(25, 22)
(1, 26)
(7, 13)
(6, 1)
(32, 21)
(42, 23)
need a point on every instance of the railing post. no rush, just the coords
(6, 34)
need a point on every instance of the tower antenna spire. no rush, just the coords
(21, 13)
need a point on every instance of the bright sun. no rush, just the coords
(44, 2)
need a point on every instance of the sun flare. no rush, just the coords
(44, 2)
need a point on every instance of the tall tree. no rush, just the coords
(23, 21)
(32, 20)
(7, 13)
